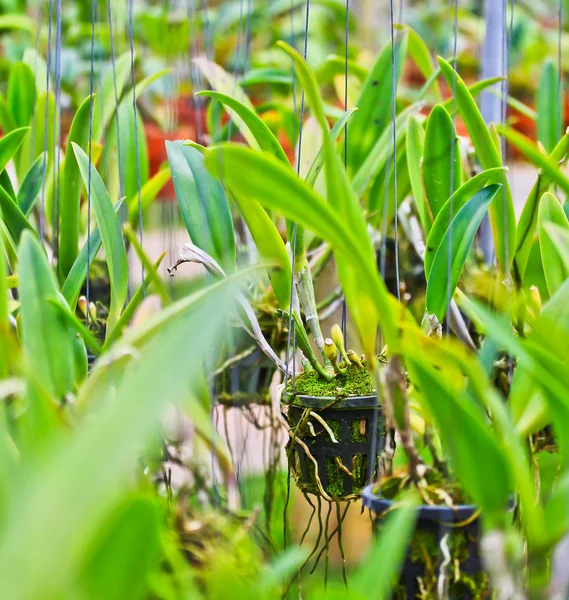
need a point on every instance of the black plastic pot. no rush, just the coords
(247, 382)
(342, 465)
(466, 578)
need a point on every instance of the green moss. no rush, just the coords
(358, 430)
(356, 382)
(336, 428)
(335, 487)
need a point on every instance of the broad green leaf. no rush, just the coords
(74, 323)
(365, 306)
(47, 339)
(439, 137)
(263, 135)
(111, 235)
(4, 321)
(9, 145)
(453, 251)
(382, 151)
(203, 204)
(6, 121)
(261, 178)
(78, 273)
(18, 22)
(389, 549)
(556, 513)
(374, 104)
(6, 183)
(14, 218)
(551, 212)
(548, 109)
(37, 64)
(9, 245)
(501, 212)
(460, 197)
(528, 219)
(21, 95)
(415, 140)
(126, 553)
(31, 185)
(70, 197)
(148, 193)
(223, 82)
(110, 445)
(42, 137)
(134, 168)
(421, 56)
(466, 437)
(475, 89)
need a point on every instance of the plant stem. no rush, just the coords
(305, 288)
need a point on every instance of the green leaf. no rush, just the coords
(126, 553)
(78, 273)
(6, 122)
(460, 197)
(374, 104)
(365, 306)
(389, 549)
(554, 266)
(21, 93)
(14, 218)
(10, 144)
(4, 320)
(335, 132)
(70, 197)
(18, 22)
(528, 219)
(501, 212)
(203, 204)
(457, 240)
(263, 135)
(148, 193)
(548, 109)
(261, 178)
(31, 185)
(466, 437)
(415, 140)
(421, 56)
(111, 235)
(47, 339)
(223, 82)
(74, 323)
(382, 151)
(110, 445)
(436, 166)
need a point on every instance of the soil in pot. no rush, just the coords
(446, 540)
(332, 430)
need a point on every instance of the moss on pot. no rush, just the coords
(356, 382)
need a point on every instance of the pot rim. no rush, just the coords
(441, 513)
(333, 403)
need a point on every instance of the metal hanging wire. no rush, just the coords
(56, 176)
(90, 154)
(136, 140)
(45, 135)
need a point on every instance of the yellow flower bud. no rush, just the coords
(330, 350)
(92, 311)
(338, 338)
(82, 305)
(354, 359)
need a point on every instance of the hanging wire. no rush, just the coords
(90, 153)
(559, 76)
(452, 157)
(346, 42)
(56, 194)
(47, 79)
(116, 93)
(136, 143)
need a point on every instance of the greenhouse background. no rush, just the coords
(283, 299)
